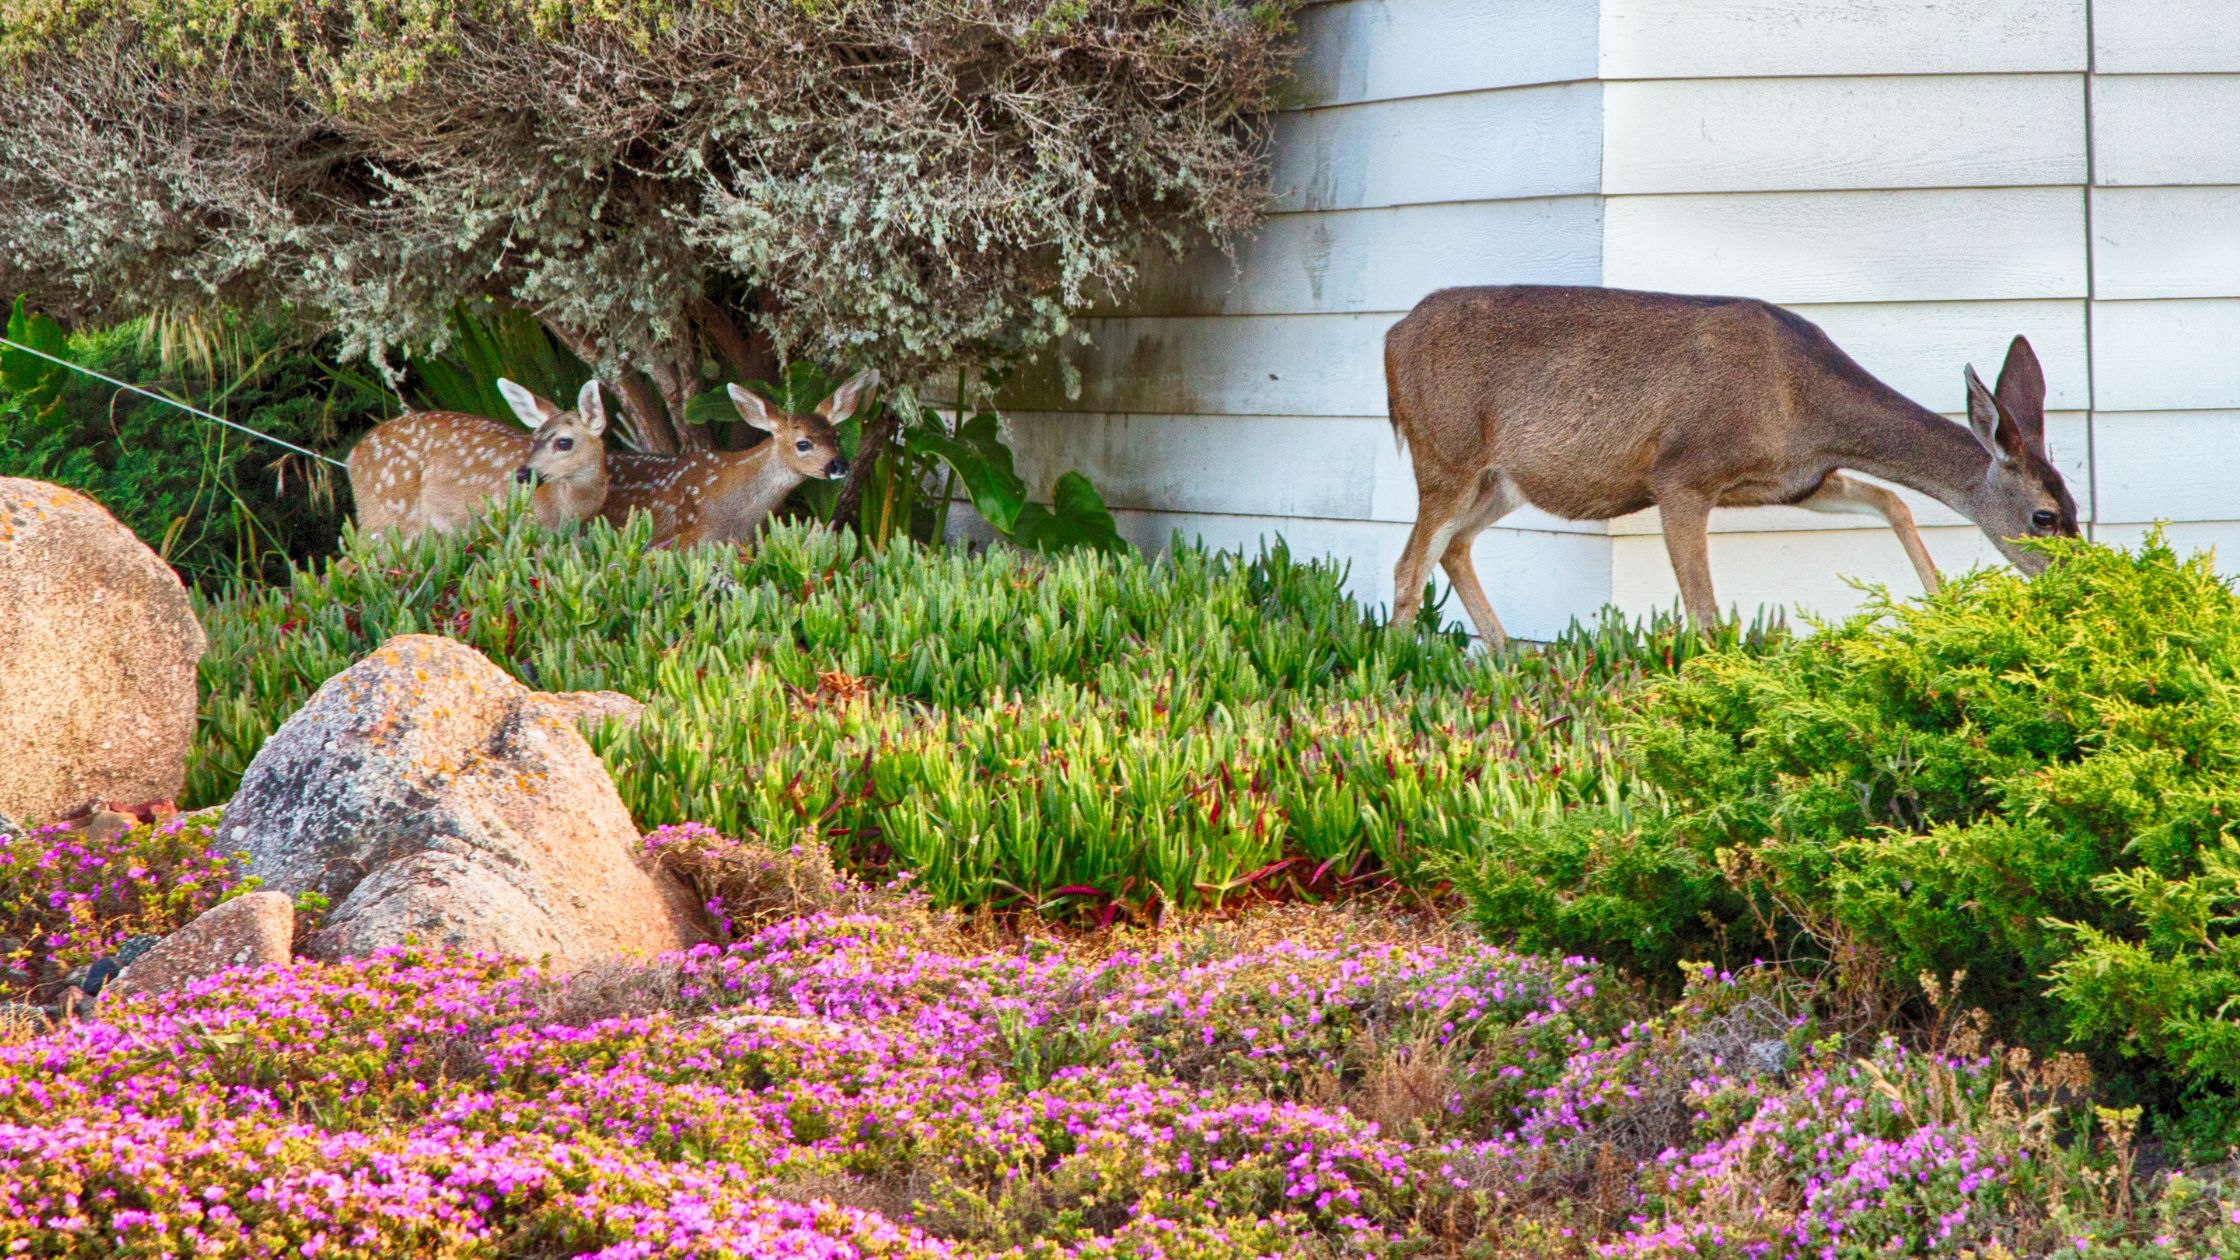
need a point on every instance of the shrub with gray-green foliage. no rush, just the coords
(898, 182)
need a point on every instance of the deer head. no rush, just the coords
(2021, 494)
(807, 444)
(566, 468)
(569, 447)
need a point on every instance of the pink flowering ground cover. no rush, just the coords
(873, 1080)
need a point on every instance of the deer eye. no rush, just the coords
(2043, 518)
(564, 444)
(804, 446)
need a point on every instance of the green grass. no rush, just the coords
(1089, 734)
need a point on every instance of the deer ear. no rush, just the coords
(2022, 393)
(845, 399)
(591, 409)
(752, 409)
(1984, 418)
(532, 410)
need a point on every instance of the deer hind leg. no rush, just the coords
(1439, 513)
(1686, 520)
(1840, 495)
(1497, 497)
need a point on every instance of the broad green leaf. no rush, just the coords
(981, 461)
(1076, 517)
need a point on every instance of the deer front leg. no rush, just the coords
(1841, 495)
(1686, 518)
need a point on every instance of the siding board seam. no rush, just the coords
(2091, 288)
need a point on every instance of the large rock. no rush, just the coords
(97, 657)
(426, 794)
(248, 931)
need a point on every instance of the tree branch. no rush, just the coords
(647, 423)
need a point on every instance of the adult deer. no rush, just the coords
(438, 470)
(1591, 403)
(723, 496)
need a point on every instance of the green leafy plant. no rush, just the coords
(487, 342)
(31, 383)
(2032, 782)
(215, 503)
(1085, 734)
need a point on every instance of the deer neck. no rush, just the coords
(574, 499)
(1881, 432)
(762, 483)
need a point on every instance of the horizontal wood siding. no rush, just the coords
(1380, 260)
(1467, 146)
(1381, 50)
(1744, 135)
(2166, 128)
(2166, 270)
(2152, 243)
(1698, 39)
(1910, 245)
(2165, 36)
(1812, 571)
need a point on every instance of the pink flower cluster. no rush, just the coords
(846, 1086)
(66, 899)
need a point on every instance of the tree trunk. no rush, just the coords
(877, 436)
(674, 378)
(746, 357)
(646, 423)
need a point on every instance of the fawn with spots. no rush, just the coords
(1591, 403)
(723, 496)
(438, 470)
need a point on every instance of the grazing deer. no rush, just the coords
(1591, 403)
(437, 470)
(722, 496)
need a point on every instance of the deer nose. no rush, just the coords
(837, 469)
(526, 476)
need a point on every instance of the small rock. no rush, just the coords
(248, 931)
(99, 826)
(10, 827)
(135, 948)
(98, 974)
(1767, 1058)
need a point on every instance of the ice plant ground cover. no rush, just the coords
(1088, 737)
(875, 1079)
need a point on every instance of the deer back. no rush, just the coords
(1589, 399)
(432, 470)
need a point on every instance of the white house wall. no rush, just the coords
(2166, 278)
(1924, 179)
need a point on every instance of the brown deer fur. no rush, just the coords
(438, 470)
(1591, 403)
(723, 496)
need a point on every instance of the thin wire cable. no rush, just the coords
(193, 411)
